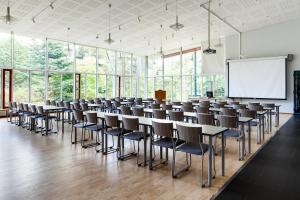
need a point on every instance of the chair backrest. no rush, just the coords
(138, 101)
(130, 123)
(116, 104)
(187, 103)
(228, 121)
(60, 104)
(222, 102)
(205, 119)
(48, 102)
(176, 115)
(131, 100)
(76, 106)
(98, 101)
(137, 111)
(111, 120)
(25, 107)
(33, 109)
(155, 106)
(204, 103)
(253, 104)
(218, 105)
(189, 133)
(234, 103)
(125, 110)
(176, 103)
(248, 113)
(15, 106)
(164, 129)
(159, 114)
(84, 106)
(78, 115)
(158, 101)
(228, 111)
(82, 100)
(149, 99)
(239, 106)
(67, 105)
(255, 107)
(40, 110)
(10, 105)
(91, 101)
(102, 99)
(91, 118)
(268, 105)
(195, 100)
(75, 100)
(187, 108)
(167, 106)
(53, 103)
(202, 109)
(21, 107)
(108, 103)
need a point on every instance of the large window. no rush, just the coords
(85, 59)
(101, 85)
(21, 86)
(106, 61)
(67, 87)
(5, 50)
(60, 55)
(29, 52)
(54, 86)
(37, 84)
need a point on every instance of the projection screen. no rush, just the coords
(261, 78)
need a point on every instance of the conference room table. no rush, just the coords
(207, 130)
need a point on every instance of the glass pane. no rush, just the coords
(176, 88)
(101, 85)
(219, 85)
(133, 92)
(54, 86)
(159, 83)
(188, 63)
(37, 87)
(155, 65)
(110, 84)
(106, 61)
(85, 59)
(29, 52)
(187, 85)
(5, 50)
(67, 87)
(60, 55)
(207, 84)
(90, 86)
(168, 86)
(172, 65)
(82, 86)
(140, 69)
(126, 86)
(6, 87)
(150, 87)
(21, 86)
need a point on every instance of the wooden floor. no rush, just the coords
(49, 167)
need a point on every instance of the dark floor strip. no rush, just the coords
(274, 173)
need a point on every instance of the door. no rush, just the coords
(77, 86)
(297, 92)
(6, 87)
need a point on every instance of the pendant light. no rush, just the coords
(209, 50)
(161, 39)
(8, 19)
(109, 40)
(177, 26)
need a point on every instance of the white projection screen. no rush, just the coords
(261, 78)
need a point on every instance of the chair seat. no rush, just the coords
(193, 148)
(167, 142)
(136, 135)
(82, 125)
(116, 131)
(96, 127)
(37, 116)
(232, 133)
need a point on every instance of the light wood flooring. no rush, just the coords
(49, 167)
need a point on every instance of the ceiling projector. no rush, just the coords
(209, 51)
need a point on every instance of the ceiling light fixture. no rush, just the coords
(8, 19)
(51, 5)
(139, 18)
(109, 40)
(177, 26)
(161, 52)
(209, 50)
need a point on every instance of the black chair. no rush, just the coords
(176, 115)
(162, 136)
(193, 144)
(78, 122)
(94, 126)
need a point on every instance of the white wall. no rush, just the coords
(275, 40)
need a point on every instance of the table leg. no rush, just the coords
(270, 120)
(243, 143)
(249, 137)
(263, 127)
(63, 122)
(47, 123)
(223, 154)
(210, 152)
(277, 116)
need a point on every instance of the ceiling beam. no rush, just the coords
(220, 18)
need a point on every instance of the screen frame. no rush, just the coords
(234, 97)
